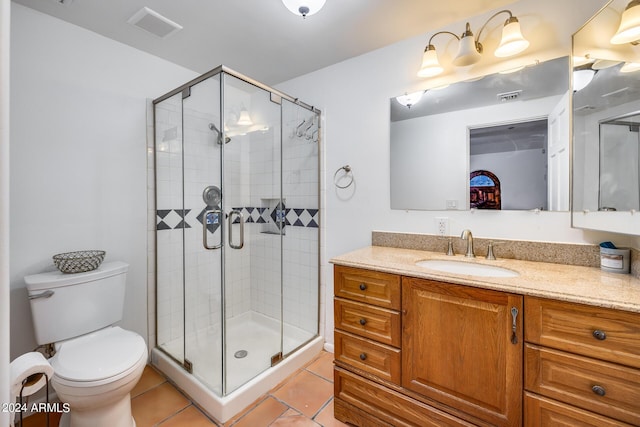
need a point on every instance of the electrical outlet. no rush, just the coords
(442, 226)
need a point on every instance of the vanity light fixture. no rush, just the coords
(470, 49)
(304, 8)
(409, 99)
(629, 28)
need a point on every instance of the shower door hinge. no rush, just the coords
(188, 366)
(186, 92)
(277, 99)
(276, 358)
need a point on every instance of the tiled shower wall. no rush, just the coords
(252, 163)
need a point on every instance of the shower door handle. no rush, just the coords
(216, 215)
(232, 214)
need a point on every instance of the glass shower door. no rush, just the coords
(203, 234)
(255, 214)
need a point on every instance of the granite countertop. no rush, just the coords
(585, 285)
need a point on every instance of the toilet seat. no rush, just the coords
(98, 358)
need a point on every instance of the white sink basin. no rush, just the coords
(467, 268)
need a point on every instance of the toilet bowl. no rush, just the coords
(95, 374)
(96, 364)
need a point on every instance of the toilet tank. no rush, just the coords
(66, 305)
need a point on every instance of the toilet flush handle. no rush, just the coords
(45, 294)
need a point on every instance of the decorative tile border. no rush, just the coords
(171, 219)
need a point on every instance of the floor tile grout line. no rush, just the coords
(319, 376)
(266, 396)
(149, 389)
(174, 414)
(322, 408)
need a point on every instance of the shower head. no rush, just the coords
(214, 128)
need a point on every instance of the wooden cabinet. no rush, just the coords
(542, 412)
(417, 352)
(367, 321)
(584, 360)
(459, 347)
(414, 352)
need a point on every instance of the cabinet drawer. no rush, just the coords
(601, 387)
(387, 405)
(377, 359)
(381, 289)
(602, 333)
(380, 324)
(540, 411)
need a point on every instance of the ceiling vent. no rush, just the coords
(154, 23)
(509, 96)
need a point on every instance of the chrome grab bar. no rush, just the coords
(205, 222)
(45, 294)
(241, 217)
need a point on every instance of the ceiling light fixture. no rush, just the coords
(470, 49)
(629, 28)
(304, 8)
(409, 99)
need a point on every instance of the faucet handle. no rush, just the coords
(490, 255)
(450, 251)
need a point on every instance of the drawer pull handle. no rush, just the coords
(363, 356)
(599, 335)
(600, 391)
(363, 322)
(363, 286)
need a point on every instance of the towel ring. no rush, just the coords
(347, 171)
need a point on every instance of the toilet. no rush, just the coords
(96, 364)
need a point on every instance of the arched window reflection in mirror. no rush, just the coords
(484, 190)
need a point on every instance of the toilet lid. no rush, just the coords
(99, 355)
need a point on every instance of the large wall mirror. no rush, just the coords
(499, 142)
(606, 120)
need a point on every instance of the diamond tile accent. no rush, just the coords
(171, 219)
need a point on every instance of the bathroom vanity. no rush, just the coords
(556, 345)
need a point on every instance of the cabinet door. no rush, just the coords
(458, 348)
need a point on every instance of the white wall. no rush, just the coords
(5, 25)
(78, 176)
(354, 98)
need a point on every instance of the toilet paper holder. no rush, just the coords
(28, 382)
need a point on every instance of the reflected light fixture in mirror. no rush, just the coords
(304, 8)
(470, 49)
(630, 67)
(409, 99)
(244, 119)
(629, 29)
(581, 78)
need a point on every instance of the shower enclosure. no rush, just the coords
(237, 227)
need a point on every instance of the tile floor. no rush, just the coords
(304, 399)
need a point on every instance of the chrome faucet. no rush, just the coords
(466, 235)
